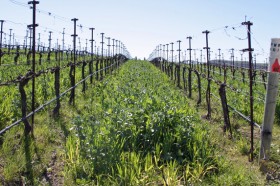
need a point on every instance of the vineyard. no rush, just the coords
(73, 115)
(132, 127)
(48, 87)
(236, 90)
(132, 123)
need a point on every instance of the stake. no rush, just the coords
(10, 36)
(102, 43)
(108, 51)
(178, 66)
(191, 66)
(220, 60)
(163, 65)
(34, 25)
(116, 46)
(250, 50)
(74, 48)
(208, 92)
(201, 57)
(172, 60)
(232, 57)
(1, 34)
(113, 47)
(190, 52)
(167, 52)
(63, 43)
(167, 59)
(90, 65)
(108, 45)
(13, 40)
(50, 40)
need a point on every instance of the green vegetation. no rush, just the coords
(132, 128)
(140, 127)
(44, 84)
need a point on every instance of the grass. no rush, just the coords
(132, 117)
(133, 128)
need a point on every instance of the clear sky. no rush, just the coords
(143, 24)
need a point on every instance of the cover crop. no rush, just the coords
(136, 129)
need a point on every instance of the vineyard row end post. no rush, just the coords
(270, 101)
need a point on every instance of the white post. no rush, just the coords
(271, 98)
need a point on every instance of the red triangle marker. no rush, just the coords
(276, 66)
